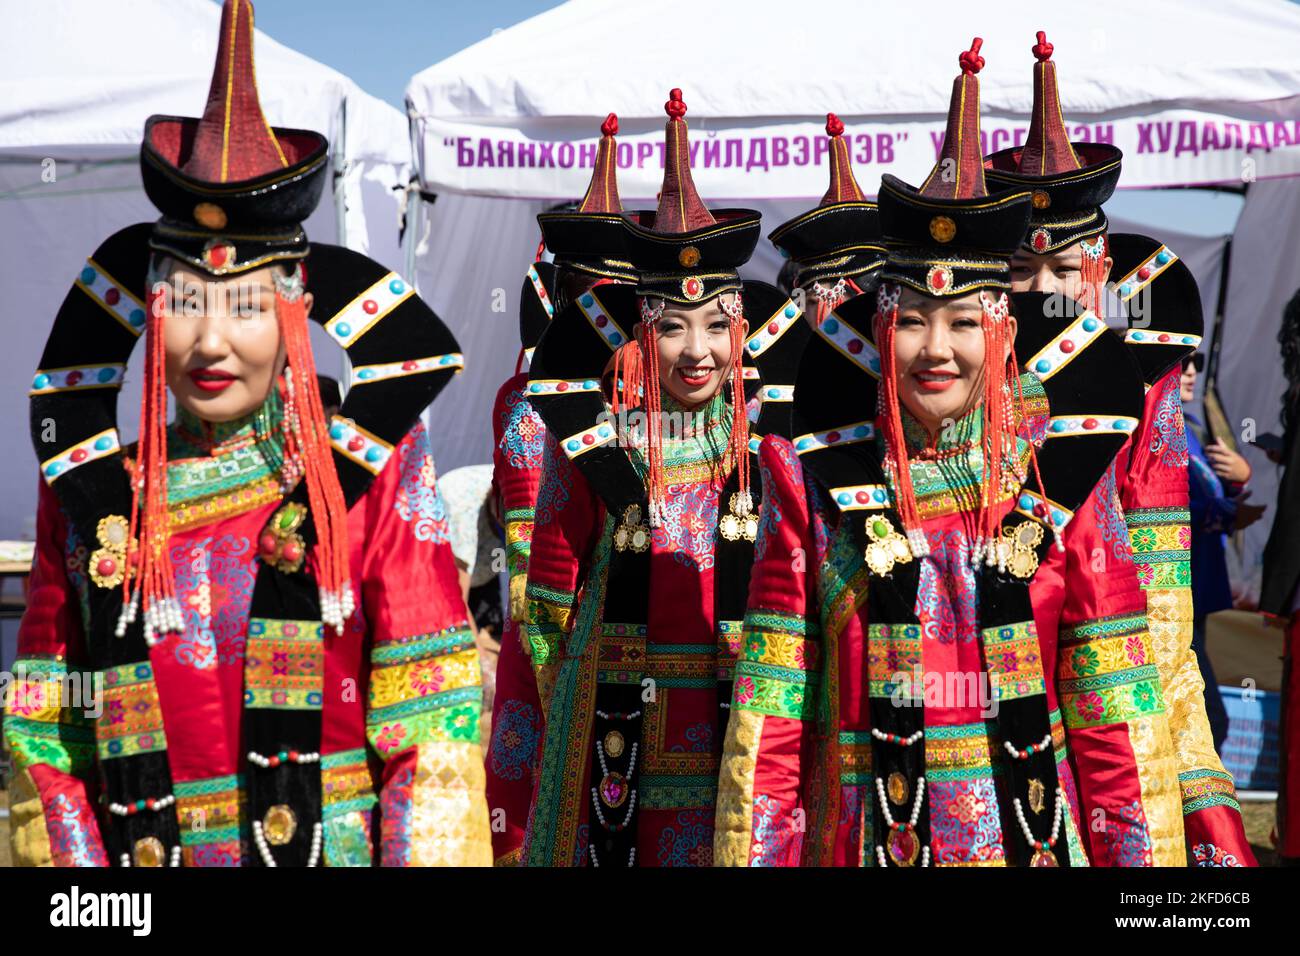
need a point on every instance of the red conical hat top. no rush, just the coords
(680, 207)
(1047, 150)
(233, 141)
(959, 173)
(602, 194)
(843, 188)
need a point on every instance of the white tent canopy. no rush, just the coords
(77, 81)
(1193, 95)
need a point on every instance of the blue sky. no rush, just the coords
(382, 43)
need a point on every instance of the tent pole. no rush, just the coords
(341, 167)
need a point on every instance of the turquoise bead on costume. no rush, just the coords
(374, 453)
(88, 275)
(831, 325)
(103, 443)
(41, 381)
(790, 311)
(397, 287)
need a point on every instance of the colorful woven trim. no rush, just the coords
(1014, 661)
(894, 661)
(777, 673)
(1207, 788)
(1161, 541)
(588, 439)
(621, 653)
(1067, 426)
(855, 758)
(601, 321)
(217, 507)
(211, 816)
(849, 434)
(1105, 672)
(284, 665)
(132, 721)
(424, 688)
(861, 497)
(1033, 505)
(547, 387)
(540, 288)
(959, 752)
(40, 726)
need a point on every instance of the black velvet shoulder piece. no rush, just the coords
(1161, 299)
(536, 304)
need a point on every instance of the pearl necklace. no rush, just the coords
(284, 756)
(617, 716)
(1042, 849)
(895, 739)
(131, 809)
(631, 800)
(908, 828)
(264, 850)
(631, 856)
(1040, 747)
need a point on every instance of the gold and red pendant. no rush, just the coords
(280, 545)
(115, 557)
(902, 845)
(614, 789)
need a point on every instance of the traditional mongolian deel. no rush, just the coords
(288, 673)
(928, 691)
(1158, 297)
(644, 538)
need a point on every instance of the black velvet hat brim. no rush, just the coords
(1165, 318)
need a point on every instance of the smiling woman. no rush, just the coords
(695, 346)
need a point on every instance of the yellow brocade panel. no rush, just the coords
(1158, 777)
(449, 816)
(1169, 611)
(734, 821)
(28, 837)
(399, 683)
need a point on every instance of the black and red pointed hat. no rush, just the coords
(951, 237)
(840, 238)
(588, 239)
(233, 191)
(681, 251)
(1068, 181)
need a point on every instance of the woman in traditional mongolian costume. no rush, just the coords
(959, 670)
(267, 599)
(644, 533)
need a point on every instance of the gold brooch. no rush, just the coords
(1018, 546)
(740, 522)
(279, 825)
(632, 534)
(942, 229)
(1041, 199)
(887, 546)
(110, 563)
(689, 257)
(210, 215)
(280, 544)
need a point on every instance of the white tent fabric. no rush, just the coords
(77, 80)
(1190, 93)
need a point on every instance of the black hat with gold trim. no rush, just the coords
(840, 238)
(589, 239)
(683, 252)
(950, 237)
(1069, 181)
(233, 191)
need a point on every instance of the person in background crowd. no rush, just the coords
(1279, 593)
(1217, 478)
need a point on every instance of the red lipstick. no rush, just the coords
(211, 379)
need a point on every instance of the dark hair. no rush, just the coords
(1288, 338)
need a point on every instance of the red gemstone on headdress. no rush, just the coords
(937, 280)
(112, 296)
(862, 497)
(1163, 337)
(1040, 509)
(675, 107)
(692, 286)
(410, 365)
(1067, 346)
(834, 125)
(1042, 50)
(79, 455)
(601, 321)
(832, 437)
(855, 346)
(1040, 241)
(217, 256)
(970, 60)
(588, 439)
(610, 126)
(356, 443)
(1090, 423)
(73, 378)
(370, 306)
